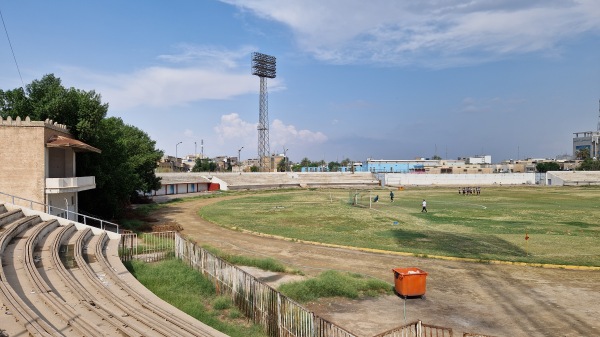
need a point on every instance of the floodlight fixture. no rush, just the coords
(263, 65)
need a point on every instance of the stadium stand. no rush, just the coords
(573, 178)
(59, 278)
(258, 180)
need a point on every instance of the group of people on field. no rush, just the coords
(469, 190)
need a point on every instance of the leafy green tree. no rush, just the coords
(346, 162)
(204, 165)
(436, 157)
(254, 168)
(589, 164)
(282, 165)
(547, 166)
(333, 166)
(126, 164)
(45, 99)
(583, 153)
(305, 162)
(297, 167)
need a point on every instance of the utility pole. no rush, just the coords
(177, 158)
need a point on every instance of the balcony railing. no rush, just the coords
(71, 184)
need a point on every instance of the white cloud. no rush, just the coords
(233, 129)
(213, 56)
(431, 33)
(196, 74)
(162, 86)
(472, 105)
(283, 135)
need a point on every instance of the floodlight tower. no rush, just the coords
(263, 66)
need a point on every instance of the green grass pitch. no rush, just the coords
(562, 223)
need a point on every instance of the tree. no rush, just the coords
(589, 164)
(305, 162)
(126, 164)
(296, 167)
(583, 153)
(282, 165)
(333, 166)
(436, 157)
(547, 166)
(204, 165)
(45, 99)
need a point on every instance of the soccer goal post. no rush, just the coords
(359, 198)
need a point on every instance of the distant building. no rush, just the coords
(479, 160)
(253, 162)
(171, 164)
(441, 166)
(587, 140)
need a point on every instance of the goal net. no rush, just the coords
(358, 198)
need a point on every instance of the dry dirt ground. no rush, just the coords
(491, 299)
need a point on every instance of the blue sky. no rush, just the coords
(382, 79)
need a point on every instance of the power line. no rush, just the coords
(12, 50)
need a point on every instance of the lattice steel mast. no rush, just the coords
(263, 66)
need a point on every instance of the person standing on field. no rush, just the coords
(392, 196)
(424, 209)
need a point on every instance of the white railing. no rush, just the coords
(52, 210)
(80, 183)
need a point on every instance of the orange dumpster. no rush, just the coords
(410, 281)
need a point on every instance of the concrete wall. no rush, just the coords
(24, 157)
(22, 160)
(400, 179)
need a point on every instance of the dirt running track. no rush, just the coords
(491, 299)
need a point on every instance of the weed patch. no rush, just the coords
(189, 291)
(332, 284)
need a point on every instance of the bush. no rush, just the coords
(333, 283)
(221, 303)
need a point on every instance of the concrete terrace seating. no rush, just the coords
(64, 279)
(574, 178)
(254, 180)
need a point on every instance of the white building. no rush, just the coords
(479, 160)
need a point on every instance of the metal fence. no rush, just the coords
(417, 329)
(148, 247)
(278, 314)
(57, 211)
